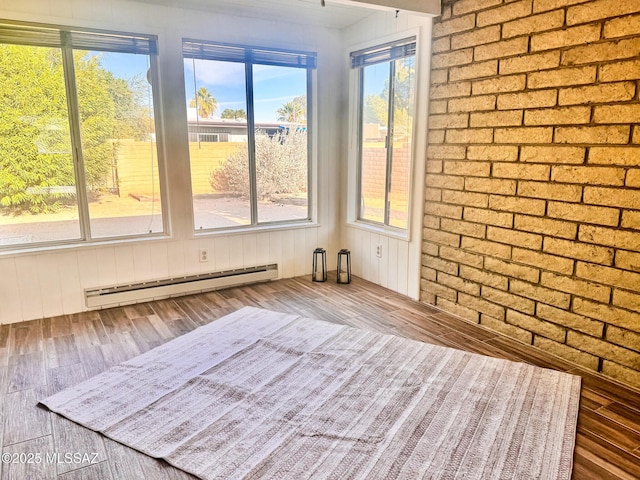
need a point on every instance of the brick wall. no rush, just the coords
(374, 170)
(138, 167)
(532, 224)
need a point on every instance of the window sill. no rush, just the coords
(390, 232)
(17, 250)
(272, 227)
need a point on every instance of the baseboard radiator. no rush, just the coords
(173, 287)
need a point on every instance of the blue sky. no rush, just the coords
(272, 86)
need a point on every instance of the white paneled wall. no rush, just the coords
(51, 282)
(399, 266)
(48, 284)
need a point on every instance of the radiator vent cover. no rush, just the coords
(176, 286)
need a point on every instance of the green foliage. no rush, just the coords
(204, 102)
(294, 111)
(230, 113)
(35, 150)
(36, 162)
(281, 167)
(376, 107)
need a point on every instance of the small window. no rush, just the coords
(248, 113)
(78, 154)
(386, 86)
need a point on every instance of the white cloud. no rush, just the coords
(216, 73)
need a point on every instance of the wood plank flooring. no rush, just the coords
(41, 357)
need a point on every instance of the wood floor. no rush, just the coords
(41, 357)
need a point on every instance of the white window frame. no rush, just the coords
(354, 132)
(68, 39)
(251, 55)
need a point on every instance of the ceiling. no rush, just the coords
(333, 15)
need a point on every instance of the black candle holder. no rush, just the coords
(319, 268)
(344, 270)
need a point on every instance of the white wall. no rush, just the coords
(399, 267)
(44, 283)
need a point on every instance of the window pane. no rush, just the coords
(280, 105)
(118, 143)
(404, 85)
(37, 179)
(373, 147)
(218, 143)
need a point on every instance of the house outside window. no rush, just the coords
(385, 94)
(256, 170)
(78, 150)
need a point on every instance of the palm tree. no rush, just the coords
(294, 111)
(204, 102)
(230, 113)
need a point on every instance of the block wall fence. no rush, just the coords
(532, 208)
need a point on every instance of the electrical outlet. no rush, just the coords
(204, 255)
(379, 251)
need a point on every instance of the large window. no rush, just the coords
(78, 154)
(386, 85)
(248, 112)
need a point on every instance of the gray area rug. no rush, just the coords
(260, 394)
